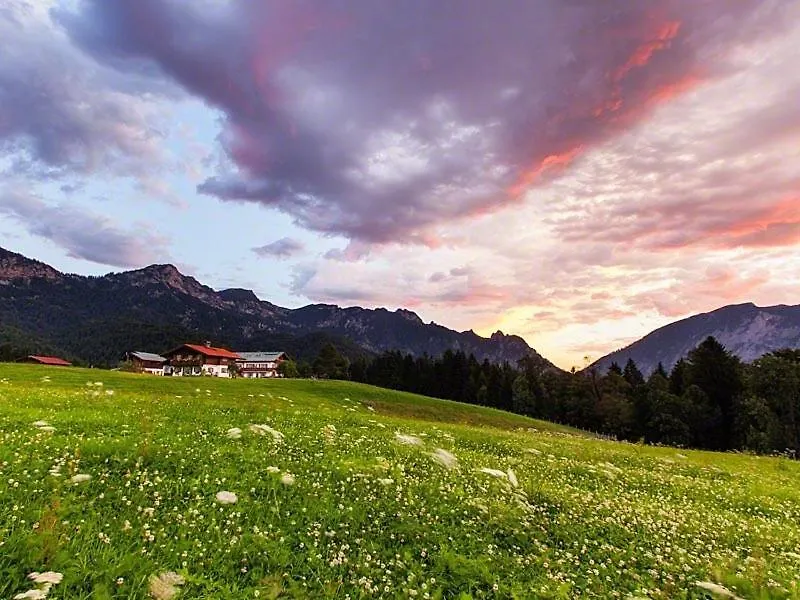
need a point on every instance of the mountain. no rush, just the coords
(746, 330)
(97, 319)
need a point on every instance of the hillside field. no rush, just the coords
(125, 484)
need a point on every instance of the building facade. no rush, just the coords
(147, 362)
(200, 359)
(257, 365)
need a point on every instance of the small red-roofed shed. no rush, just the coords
(52, 361)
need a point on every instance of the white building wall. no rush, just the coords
(216, 370)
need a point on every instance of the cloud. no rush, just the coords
(82, 234)
(282, 248)
(444, 111)
(61, 112)
(579, 172)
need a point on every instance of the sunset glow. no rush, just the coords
(576, 173)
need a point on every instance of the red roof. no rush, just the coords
(50, 360)
(211, 351)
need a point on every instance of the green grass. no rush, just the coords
(366, 516)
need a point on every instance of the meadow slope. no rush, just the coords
(348, 491)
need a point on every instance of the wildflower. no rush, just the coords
(120, 580)
(234, 433)
(226, 497)
(287, 479)
(329, 432)
(32, 594)
(50, 577)
(715, 588)
(40, 423)
(164, 586)
(386, 481)
(80, 478)
(273, 470)
(512, 477)
(266, 429)
(409, 440)
(611, 467)
(493, 472)
(444, 458)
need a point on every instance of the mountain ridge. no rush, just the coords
(61, 308)
(747, 330)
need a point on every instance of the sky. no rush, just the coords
(572, 171)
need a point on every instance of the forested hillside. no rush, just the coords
(709, 400)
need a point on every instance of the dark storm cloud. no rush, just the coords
(61, 112)
(378, 120)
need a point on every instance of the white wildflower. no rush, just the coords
(512, 477)
(287, 479)
(386, 481)
(717, 589)
(50, 577)
(261, 429)
(226, 497)
(493, 472)
(164, 586)
(40, 423)
(444, 458)
(80, 478)
(273, 470)
(234, 433)
(409, 440)
(329, 432)
(32, 594)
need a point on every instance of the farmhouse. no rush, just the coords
(259, 364)
(52, 361)
(147, 362)
(197, 359)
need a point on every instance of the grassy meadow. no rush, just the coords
(133, 486)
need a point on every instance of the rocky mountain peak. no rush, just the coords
(746, 330)
(238, 295)
(14, 266)
(409, 315)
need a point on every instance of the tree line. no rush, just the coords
(710, 399)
